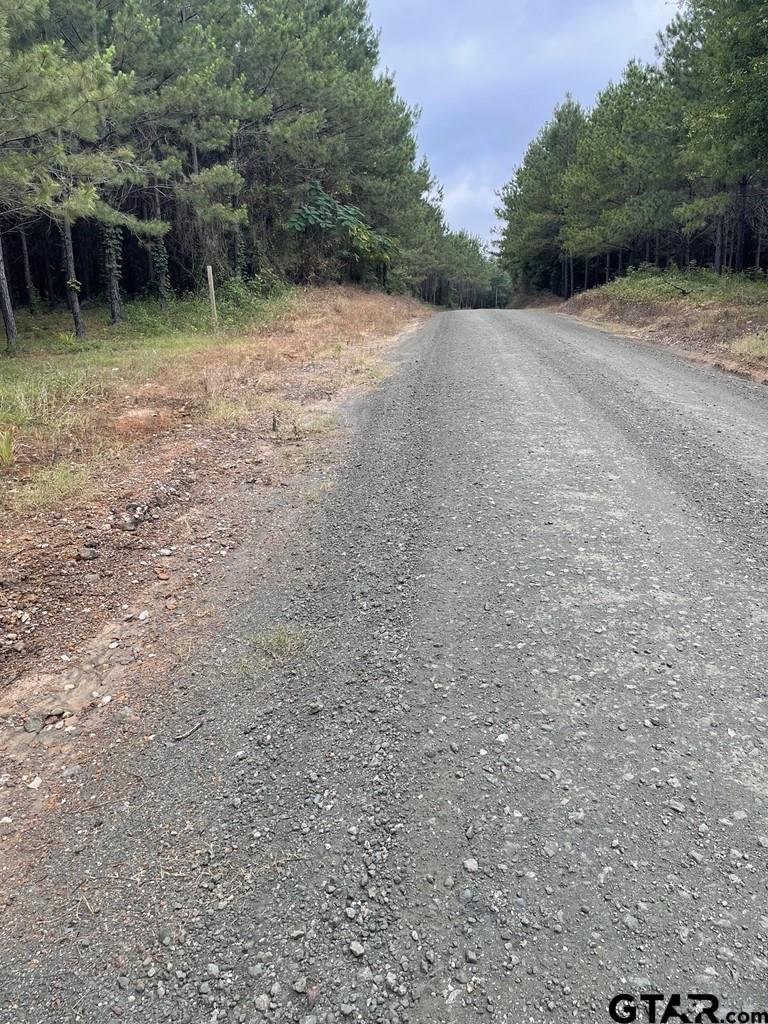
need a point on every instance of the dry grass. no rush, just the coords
(722, 320)
(281, 643)
(60, 406)
(6, 448)
(751, 346)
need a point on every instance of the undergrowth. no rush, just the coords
(55, 373)
(696, 284)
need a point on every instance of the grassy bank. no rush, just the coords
(720, 319)
(74, 411)
(52, 391)
(54, 372)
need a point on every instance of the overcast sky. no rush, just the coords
(487, 74)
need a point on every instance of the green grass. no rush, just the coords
(53, 485)
(55, 374)
(227, 410)
(320, 423)
(649, 284)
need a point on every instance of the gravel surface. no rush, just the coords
(488, 739)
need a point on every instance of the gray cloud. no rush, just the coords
(487, 75)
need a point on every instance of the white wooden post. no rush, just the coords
(212, 296)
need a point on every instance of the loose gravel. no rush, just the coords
(496, 745)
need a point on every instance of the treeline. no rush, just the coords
(141, 140)
(670, 166)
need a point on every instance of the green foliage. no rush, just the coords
(533, 202)
(670, 165)
(697, 284)
(262, 140)
(334, 231)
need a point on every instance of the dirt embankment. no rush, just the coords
(117, 573)
(730, 336)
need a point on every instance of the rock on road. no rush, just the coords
(515, 763)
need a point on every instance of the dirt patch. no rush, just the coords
(731, 338)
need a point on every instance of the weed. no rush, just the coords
(6, 447)
(696, 284)
(281, 643)
(754, 346)
(51, 486)
(227, 410)
(379, 372)
(242, 669)
(315, 492)
(320, 423)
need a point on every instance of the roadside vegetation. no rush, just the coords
(72, 409)
(141, 143)
(652, 284)
(54, 397)
(669, 168)
(719, 319)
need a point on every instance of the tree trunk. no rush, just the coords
(719, 245)
(112, 255)
(647, 250)
(586, 274)
(729, 245)
(28, 282)
(49, 285)
(6, 306)
(656, 249)
(572, 282)
(621, 262)
(607, 267)
(160, 255)
(760, 229)
(741, 230)
(71, 279)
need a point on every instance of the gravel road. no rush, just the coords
(488, 739)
